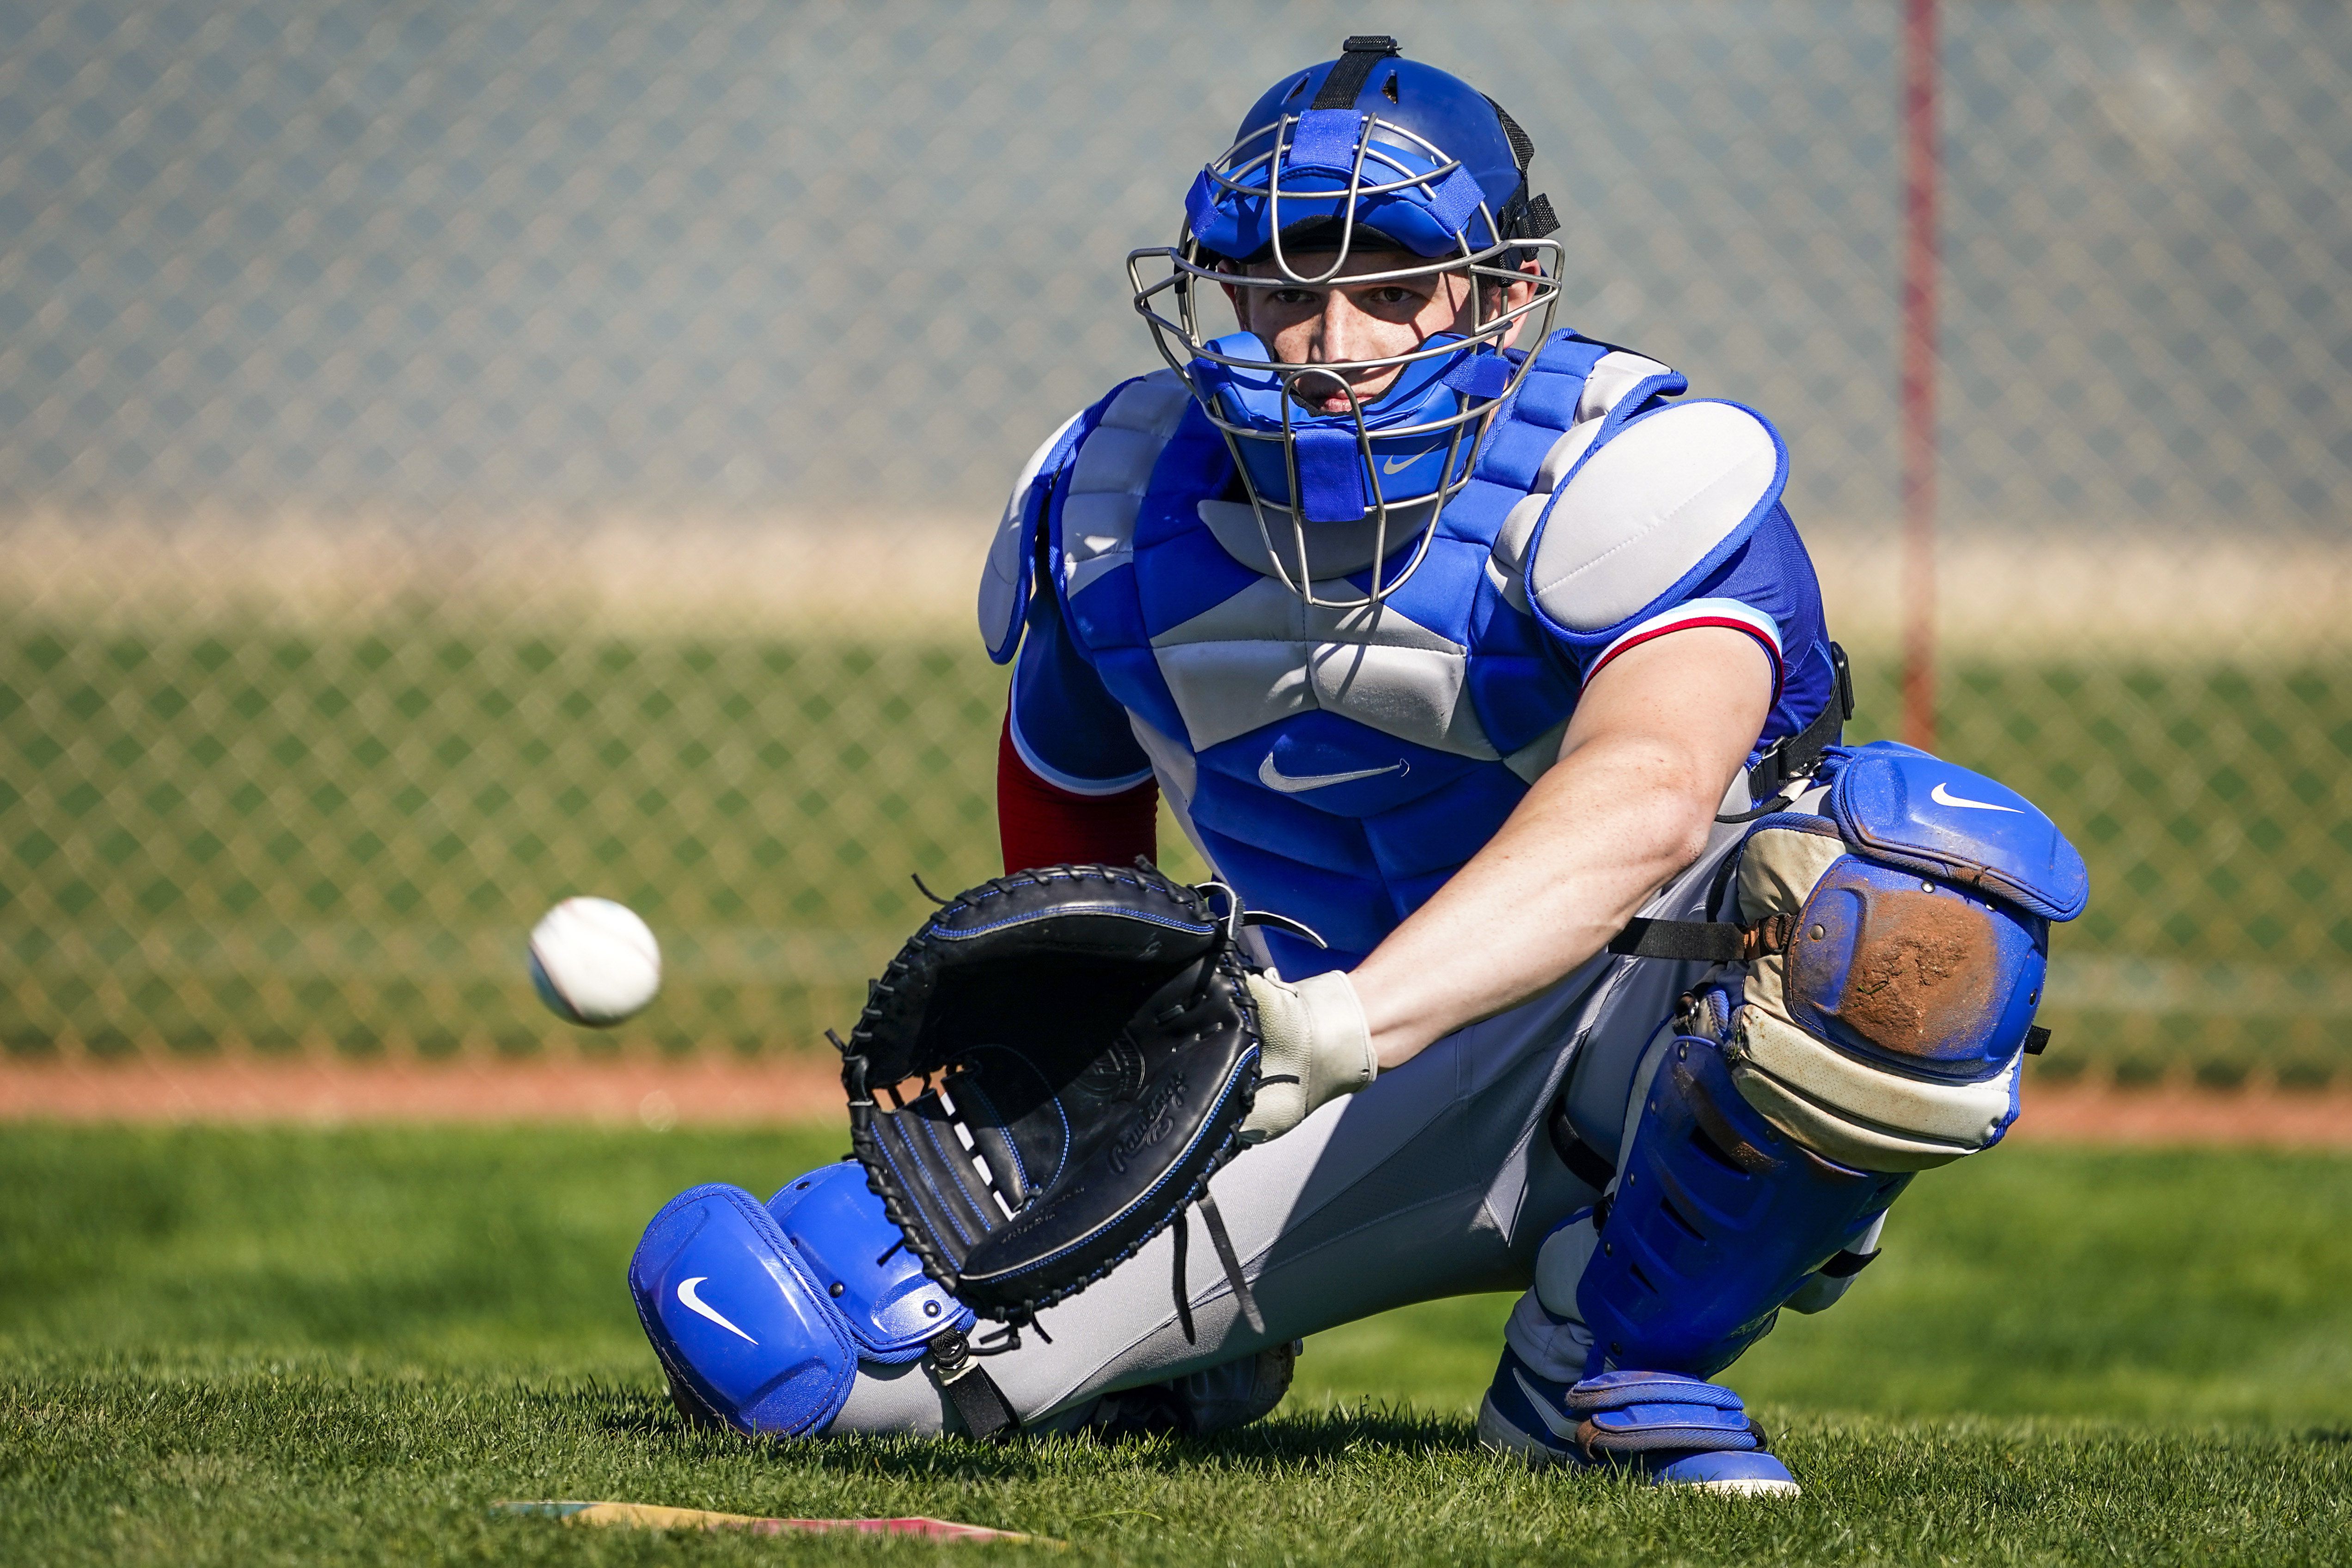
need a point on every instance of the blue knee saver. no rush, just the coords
(1715, 1221)
(760, 1315)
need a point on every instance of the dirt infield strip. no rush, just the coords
(708, 1090)
(711, 1089)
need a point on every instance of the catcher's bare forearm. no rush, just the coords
(1655, 741)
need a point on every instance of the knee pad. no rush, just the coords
(760, 1314)
(1883, 1024)
(1717, 1219)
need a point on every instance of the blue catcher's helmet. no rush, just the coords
(1367, 153)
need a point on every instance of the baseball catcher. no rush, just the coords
(1489, 661)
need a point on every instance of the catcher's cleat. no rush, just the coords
(1200, 1404)
(1669, 1430)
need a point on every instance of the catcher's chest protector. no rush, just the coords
(1340, 765)
(1086, 1052)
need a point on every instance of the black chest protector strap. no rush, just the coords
(1793, 756)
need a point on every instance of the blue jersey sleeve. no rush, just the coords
(1766, 588)
(1068, 729)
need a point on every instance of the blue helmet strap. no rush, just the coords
(1324, 139)
(1357, 56)
(1485, 376)
(1328, 132)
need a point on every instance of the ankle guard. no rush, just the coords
(1643, 1412)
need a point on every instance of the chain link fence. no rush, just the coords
(456, 456)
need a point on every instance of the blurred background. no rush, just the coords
(454, 457)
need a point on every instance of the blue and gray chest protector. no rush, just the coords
(1338, 757)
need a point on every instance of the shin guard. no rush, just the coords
(1868, 1020)
(1718, 1219)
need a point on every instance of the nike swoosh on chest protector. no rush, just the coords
(1274, 777)
(1943, 797)
(696, 1303)
(1399, 464)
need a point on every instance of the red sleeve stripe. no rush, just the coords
(1728, 614)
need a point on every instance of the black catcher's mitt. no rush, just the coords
(1086, 1050)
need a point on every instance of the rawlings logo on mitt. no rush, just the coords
(1086, 1050)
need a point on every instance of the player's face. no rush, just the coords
(1340, 322)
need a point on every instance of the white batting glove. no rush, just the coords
(1313, 1047)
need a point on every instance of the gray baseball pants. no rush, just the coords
(1438, 1180)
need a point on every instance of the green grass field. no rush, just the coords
(336, 839)
(221, 1346)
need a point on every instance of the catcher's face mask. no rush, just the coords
(1366, 153)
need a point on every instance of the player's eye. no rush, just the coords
(1292, 297)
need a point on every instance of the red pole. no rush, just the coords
(1919, 172)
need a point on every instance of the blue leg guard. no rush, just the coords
(1867, 1019)
(1892, 951)
(1717, 1221)
(760, 1315)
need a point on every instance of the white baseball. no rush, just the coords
(594, 962)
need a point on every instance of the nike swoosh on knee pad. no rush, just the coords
(693, 1302)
